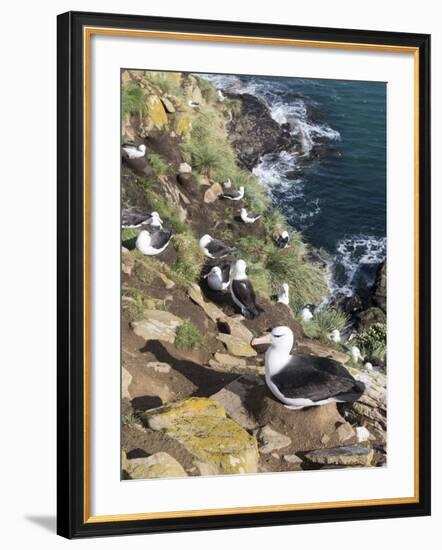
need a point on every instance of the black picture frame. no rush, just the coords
(72, 522)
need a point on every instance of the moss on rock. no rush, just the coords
(156, 111)
(220, 445)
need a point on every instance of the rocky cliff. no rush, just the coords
(193, 394)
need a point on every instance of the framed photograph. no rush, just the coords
(243, 274)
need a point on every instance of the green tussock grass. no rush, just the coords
(323, 322)
(167, 210)
(208, 90)
(134, 303)
(188, 336)
(190, 259)
(158, 164)
(168, 83)
(132, 99)
(373, 342)
(208, 151)
(269, 267)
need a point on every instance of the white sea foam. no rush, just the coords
(354, 254)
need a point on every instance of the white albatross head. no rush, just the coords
(155, 219)
(281, 340)
(239, 271)
(214, 272)
(205, 240)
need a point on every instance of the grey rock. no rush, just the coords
(270, 440)
(342, 456)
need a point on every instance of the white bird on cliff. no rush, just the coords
(153, 243)
(248, 217)
(132, 218)
(218, 278)
(133, 151)
(234, 195)
(214, 248)
(193, 104)
(355, 354)
(242, 291)
(221, 96)
(335, 336)
(283, 295)
(299, 380)
(307, 312)
(227, 184)
(283, 240)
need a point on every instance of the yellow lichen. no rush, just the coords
(156, 111)
(219, 444)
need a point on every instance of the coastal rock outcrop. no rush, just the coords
(253, 132)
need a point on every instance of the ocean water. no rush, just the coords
(334, 189)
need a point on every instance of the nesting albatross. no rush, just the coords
(214, 248)
(299, 380)
(153, 242)
(133, 151)
(242, 291)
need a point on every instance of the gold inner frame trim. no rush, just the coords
(87, 34)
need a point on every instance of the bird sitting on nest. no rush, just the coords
(242, 291)
(132, 150)
(132, 218)
(218, 278)
(248, 217)
(282, 241)
(307, 312)
(151, 243)
(300, 381)
(234, 194)
(283, 295)
(214, 248)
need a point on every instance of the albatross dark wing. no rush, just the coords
(317, 378)
(132, 217)
(244, 293)
(160, 238)
(218, 249)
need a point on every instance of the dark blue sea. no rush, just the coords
(334, 188)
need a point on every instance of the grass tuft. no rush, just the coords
(158, 164)
(373, 342)
(132, 99)
(167, 210)
(168, 83)
(190, 259)
(323, 322)
(188, 336)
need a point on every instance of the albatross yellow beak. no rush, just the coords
(265, 339)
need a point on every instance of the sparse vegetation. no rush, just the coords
(208, 90)
(188, 336)
(167, 210)
(158, 164)
(133, 99)
(168, 83)
(190, 259)
(324, 322)
(373, 342)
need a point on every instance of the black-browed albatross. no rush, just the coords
(299, 380)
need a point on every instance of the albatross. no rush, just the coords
(132, 218)
(218, 278)
(299, 380)
(235, 194)
(242, 291)
(133, 151)
(154, 242)
(214, 248)
(248, 217)
(282, 240)
(283, 295)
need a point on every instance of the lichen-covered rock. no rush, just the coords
(168, 105)
(342, 456)
(229, 360)
(157, 325)
(220, 445)
(156, 111)
(213, 193)
(380, 288)
(237, 346)
(158, 465)
(183, 124)
(185, 168)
